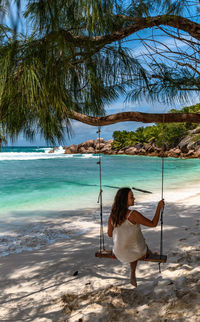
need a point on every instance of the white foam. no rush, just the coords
(46, 150)
(59, 153)
(59, 150)
(33, 236)
(6, 156)
(89, 156)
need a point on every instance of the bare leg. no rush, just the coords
(133, 277)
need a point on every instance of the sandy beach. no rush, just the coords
(66, 282)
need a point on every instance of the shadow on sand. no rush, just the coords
(32, 283)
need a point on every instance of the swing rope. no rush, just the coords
(108, 253)
(100, 200)
(162, 195)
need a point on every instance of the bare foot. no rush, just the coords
(133, 280)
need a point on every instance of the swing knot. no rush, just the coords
(98, 162)
(100, 193)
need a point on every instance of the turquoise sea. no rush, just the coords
(36, 186)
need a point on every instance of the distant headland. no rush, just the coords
(188, 147)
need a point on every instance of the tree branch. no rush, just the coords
(191, 27)
(135, 117)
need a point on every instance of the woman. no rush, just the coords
(124, 227)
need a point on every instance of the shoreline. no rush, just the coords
(187, 148)
(34, 283)
(40, 229)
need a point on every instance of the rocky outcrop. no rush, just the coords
(190, 142)
(131, 150)
(174, 153)
(91, 146)
(183, 144)
(197, 153)
(188, 147)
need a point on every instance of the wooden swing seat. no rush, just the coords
(150, 258)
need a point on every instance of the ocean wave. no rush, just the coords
(22, 156)
(29, 236)
(58, 150)
(89, 156)
(46, 150)
(34, 236)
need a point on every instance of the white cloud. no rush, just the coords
(120, 106)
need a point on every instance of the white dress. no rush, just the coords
(129, 243)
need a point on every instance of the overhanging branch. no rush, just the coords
(178, 22)
(136, 117)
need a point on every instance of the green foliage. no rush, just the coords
(45, 75)
(171, 134)
(168, 134)
(141, 135)
(187, 109)
(60, 65)
(3, 139)
(196, 138)
(122, 139)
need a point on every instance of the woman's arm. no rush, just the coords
(110, 227)
(137, 217)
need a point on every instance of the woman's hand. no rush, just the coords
(161, 204)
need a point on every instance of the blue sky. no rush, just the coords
(82, 132)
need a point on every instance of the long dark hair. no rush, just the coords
(119, 207)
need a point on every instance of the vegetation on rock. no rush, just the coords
(159, 134)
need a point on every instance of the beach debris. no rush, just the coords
(75, 273)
